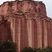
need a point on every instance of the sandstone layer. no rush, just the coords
(26, 23)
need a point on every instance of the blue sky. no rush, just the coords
(48, 6)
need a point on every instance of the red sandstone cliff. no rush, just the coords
(33, 7)
(29, 24)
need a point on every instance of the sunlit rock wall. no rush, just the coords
(29, 24)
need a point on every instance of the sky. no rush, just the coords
(48, 4)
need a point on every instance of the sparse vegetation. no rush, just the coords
(7, 46)
(29, 49)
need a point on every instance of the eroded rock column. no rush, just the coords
(45, 33)
(29, 30)
(24, 35)
(51, 30)
(18, 33)
(39, 33)
(12, 20)
(34, 33)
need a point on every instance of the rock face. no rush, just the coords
(26, 23)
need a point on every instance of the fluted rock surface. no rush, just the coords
(27, 24)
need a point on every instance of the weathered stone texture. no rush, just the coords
(26, 23)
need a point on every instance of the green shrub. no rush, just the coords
(27, 49)
(7, 46)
